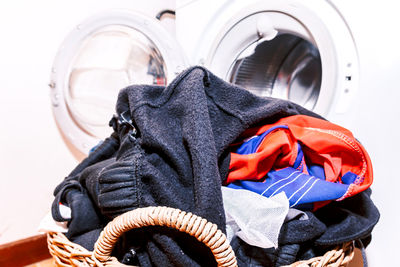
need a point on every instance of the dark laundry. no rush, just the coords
(170, 147)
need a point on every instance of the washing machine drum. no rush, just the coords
(300, 51)
(101, 56)
(286, 67)
(109, 59)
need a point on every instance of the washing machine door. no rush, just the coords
(289, 50)
(102, 55)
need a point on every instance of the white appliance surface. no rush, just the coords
(374, 116)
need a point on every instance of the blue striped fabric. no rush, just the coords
(303, 183)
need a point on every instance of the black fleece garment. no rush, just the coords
(177, 158)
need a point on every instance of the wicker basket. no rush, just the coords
(67, 253)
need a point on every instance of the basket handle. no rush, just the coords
(200, 228)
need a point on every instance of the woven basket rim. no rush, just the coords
(67, 253)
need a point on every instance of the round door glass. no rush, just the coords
(108, 60)
(286, 67)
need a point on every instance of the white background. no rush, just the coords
(34, 159)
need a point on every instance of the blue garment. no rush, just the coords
(303, 183)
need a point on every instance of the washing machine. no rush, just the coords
(115, 44)
(302, 51)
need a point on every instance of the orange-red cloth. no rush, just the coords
(323, 143)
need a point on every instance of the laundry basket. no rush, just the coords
(67, 253)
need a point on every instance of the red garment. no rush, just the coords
(323, 143)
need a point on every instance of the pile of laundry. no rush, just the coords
(283, 183)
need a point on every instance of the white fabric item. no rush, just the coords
(65, 211)
(48, 224)
(295, 214)
(255, 219)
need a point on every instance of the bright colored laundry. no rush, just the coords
(312, 160)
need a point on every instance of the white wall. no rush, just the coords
(33, 157)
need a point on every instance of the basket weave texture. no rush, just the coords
(67, 253)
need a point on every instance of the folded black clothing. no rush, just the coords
(349, 219)
(174, 155)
